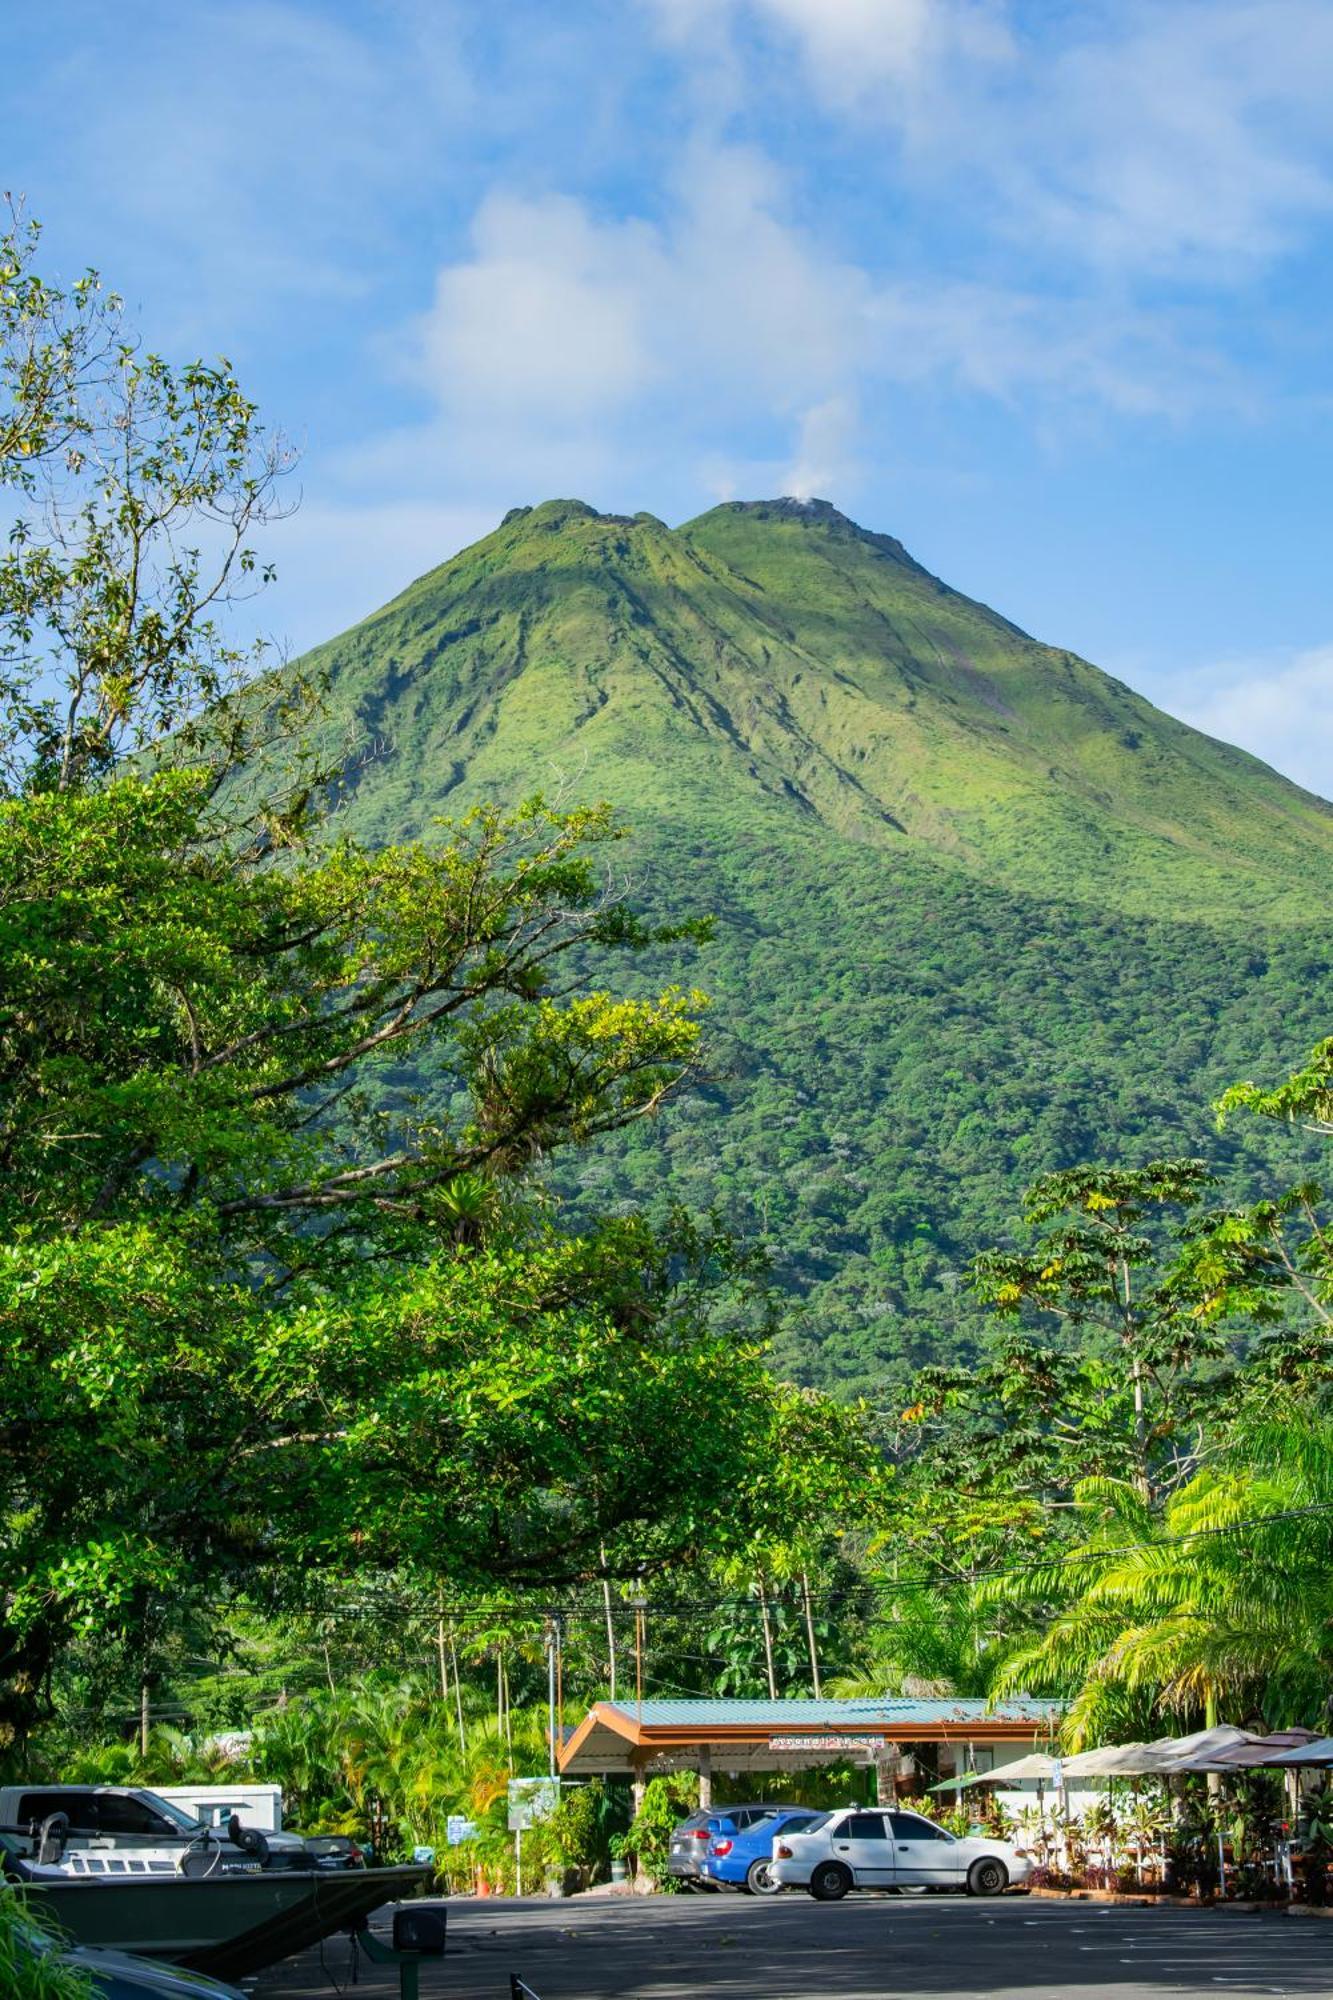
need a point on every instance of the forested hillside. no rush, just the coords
(981, 910)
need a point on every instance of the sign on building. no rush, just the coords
(828, 1743)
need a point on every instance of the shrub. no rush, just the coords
(666, 1801)
(27, 1971)
(583, 1826)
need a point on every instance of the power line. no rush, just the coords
(476, 1616)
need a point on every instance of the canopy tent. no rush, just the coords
(1318, 1751)
(1285, 1746)
(1160, 1759)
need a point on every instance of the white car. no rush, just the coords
(889, 1848)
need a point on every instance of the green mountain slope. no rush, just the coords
(982, 909)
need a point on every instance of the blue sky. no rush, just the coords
(1045, 289)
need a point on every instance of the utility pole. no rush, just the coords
(458, 1695)
(810, 1635)
(552, 1627)
(610, 1624)
(768, 1641)
(640, 1606)
(560, 1678)
(439, 1647)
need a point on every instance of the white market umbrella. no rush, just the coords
(1166, 1754)
(1289, 1746)
(1113, 1760)
(1035, 1766)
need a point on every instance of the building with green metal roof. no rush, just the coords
(905, 1740)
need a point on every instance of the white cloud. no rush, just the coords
(567, 351)
(1276, 707)
(856, 50)
(1185, 139)
(548, 314)
(1189, 141)
(565, 339)
(1067, 354)
(826, 451)
(248, 151)
(854, 44)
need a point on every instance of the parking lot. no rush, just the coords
(668, 1948)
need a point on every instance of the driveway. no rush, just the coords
(867, 1948)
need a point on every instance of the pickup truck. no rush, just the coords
(122, 1817)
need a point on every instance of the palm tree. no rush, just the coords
(1225, 1597)
(925, 1642)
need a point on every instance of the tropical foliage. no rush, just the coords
(30, 1967)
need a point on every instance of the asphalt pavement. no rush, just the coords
(866, 1948)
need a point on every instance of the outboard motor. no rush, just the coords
(249, 1839)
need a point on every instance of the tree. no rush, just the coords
(1096, 1273)
(1221, 1593)
(1223, 1601)
(140, 488)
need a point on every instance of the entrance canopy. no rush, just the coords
(655, 1736)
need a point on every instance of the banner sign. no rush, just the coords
(829, 1743)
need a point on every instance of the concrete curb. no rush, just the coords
(1133, 1902)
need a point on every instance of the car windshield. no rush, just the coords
(812, 1825)
(169, 1810)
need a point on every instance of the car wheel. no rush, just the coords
(830, 1882)
(759, 1879)
(987, 1878)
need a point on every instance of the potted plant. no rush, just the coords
(621, 1853)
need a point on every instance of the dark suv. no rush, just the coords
(689, 1840)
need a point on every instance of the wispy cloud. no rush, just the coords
(1182, 139)
(657, 252)
(723, 333)
(1275, 705)
(565, 336)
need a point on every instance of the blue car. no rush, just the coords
(738, 1857)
